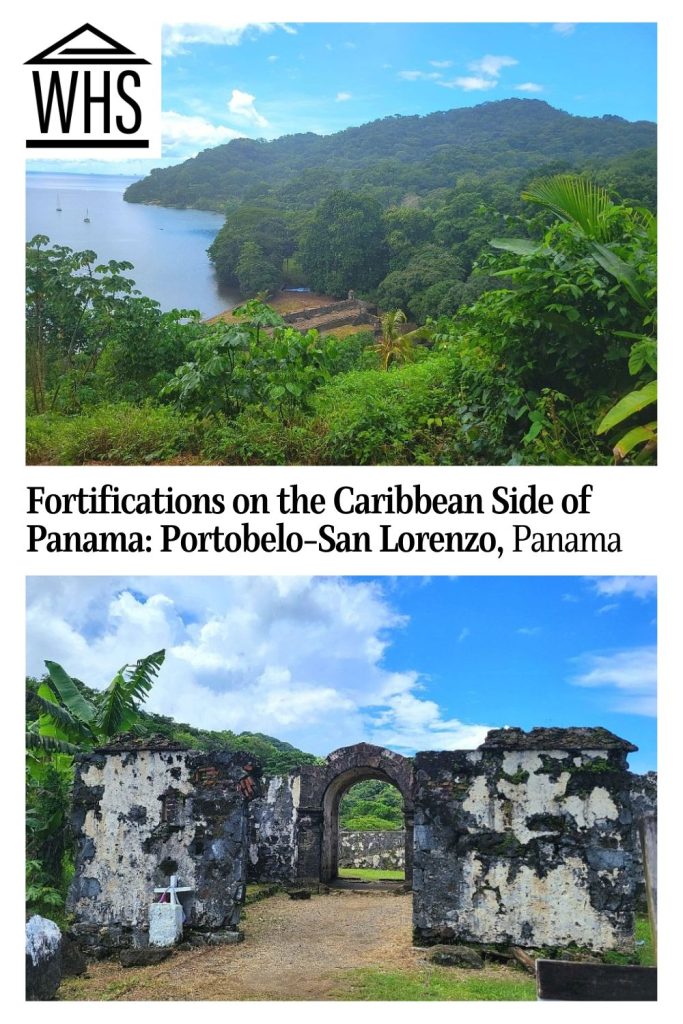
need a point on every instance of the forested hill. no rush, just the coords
(397, 155)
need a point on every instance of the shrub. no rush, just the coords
(119, 434)
(393, 418)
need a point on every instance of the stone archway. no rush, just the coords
(322, 787)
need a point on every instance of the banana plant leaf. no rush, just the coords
(628, 405)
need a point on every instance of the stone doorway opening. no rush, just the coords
(371, 835)
(362, 769)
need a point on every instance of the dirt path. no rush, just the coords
(292, 950)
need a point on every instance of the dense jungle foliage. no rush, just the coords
(396, 156)
(65, 717)
(405, 205)
(371, 806)
(510, 250)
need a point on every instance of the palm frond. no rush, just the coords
(647, 221)
(575, 199)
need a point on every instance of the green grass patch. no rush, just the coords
(646, 952)
(257, 891)
(370, 874)
(438, 984)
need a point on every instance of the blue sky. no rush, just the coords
(406, 662)
(268, 80)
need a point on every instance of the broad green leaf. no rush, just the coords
(628, 405)
(73, 728)
(519, 246)
(49, 744)
(639, 435)
(623, 273)
(69, 692)
(141, 679)
(534, 430)
(112, 707)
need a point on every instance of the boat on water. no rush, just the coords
(86, 219)
(59, 204)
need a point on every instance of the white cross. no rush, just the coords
(174, 888)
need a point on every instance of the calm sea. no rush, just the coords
(166, 247)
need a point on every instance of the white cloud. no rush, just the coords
(631, 673)
(529, 87)
(273, 57)
(463, 634)
(565, 28)
(607, 608)
(441, 63)
(470, 83)
(241, 104)
(185, 135)
(176, 35)
(491, 65)
(420, 76)
(342, 96)
(643, 587)
(297, 658)
(529, 630)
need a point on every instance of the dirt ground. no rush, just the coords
(292, 950)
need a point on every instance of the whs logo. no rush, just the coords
(90, 92)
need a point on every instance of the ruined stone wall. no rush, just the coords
(344, 305)
(644, 805)
(141, 815)
(526, 840)
(272, 830)
(382, 850)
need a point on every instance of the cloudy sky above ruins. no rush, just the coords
(409, 663)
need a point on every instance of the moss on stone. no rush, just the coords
(517, 779)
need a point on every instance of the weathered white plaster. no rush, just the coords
(165, 924)
(597, 806)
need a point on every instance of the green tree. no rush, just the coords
(256, 273)
(371, 806)
(345, 246)
(68, 720)
(263, 225)
(72, 304)
(393, 345)
(213, 382)
(429, 265)
(620, 241)
(90, 335)
(560, 333)
(64, 718)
